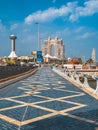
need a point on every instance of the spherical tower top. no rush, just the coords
(13, 36)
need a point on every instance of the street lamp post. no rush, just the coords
(38, 36)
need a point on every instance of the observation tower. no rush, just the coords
(13, 54)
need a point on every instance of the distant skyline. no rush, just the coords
(74, 21)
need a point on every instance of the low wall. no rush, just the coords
(10, 80)
(7, 71)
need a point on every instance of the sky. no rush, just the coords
(74, 21)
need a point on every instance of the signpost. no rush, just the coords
(39, 56)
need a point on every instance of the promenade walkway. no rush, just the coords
(46, 101)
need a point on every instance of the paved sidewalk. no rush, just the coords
(48, 102)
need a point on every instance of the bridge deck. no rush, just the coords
(46, 101)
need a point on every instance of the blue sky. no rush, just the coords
(75, 21)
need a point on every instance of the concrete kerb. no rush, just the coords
(13, 79)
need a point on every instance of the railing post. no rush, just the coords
(68, 74)
(72, 77)
(77, 79)
(85, 84)
(96, 91)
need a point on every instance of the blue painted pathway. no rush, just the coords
(48, 102)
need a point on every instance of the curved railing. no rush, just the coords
(75, 77)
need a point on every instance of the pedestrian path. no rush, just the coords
(46, 101)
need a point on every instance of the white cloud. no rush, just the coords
(50, 14)
(64, 32)
(90, 8)
(27, 39)
(14, 26)
(71, 9)
(3, 30)
(79, 29)
(85, 35)
(2, 27)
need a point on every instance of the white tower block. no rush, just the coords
(13, 54)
